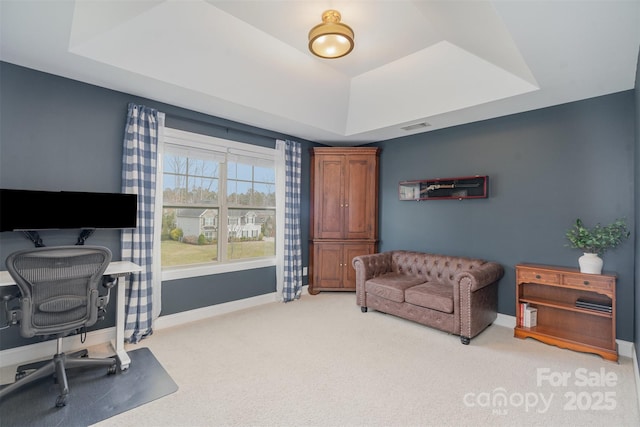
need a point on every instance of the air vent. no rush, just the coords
(415, 126)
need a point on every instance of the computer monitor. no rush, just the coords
(32, 210)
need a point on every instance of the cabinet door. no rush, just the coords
(327, 271)
(332, 264)
(350, 251)
(360, 197)
(328, 196)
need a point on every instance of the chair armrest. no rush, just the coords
(109, 281)
(103, 300)
(368, 267)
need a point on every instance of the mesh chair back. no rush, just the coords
(58, 286)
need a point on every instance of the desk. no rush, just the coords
(115, 268)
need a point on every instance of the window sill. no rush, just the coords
(206, 270)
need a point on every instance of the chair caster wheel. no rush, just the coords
(363, 309)
(465, 340)
(112, 369)
(20, 375)
(61, 401)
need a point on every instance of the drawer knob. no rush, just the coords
(537, 276)
(586, 282)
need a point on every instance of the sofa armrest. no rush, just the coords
(368, 267)
(478, 278)
(476, 294)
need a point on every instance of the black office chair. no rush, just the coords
(58, 296)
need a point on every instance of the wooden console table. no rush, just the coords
(562, 320)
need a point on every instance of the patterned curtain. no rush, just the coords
(290, 274)
(139, 177)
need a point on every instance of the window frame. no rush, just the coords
(198, 142)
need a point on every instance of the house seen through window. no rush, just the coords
(218, 201)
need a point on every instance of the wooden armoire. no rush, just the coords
(344, 214)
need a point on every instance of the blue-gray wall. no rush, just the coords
(60, 134)
(546, 168)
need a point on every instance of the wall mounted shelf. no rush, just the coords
(464, 187)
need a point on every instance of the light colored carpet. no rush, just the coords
(319, 361)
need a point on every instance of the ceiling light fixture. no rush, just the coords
(331, 39)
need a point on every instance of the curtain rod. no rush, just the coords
(226, 128)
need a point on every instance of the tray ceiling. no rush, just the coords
(417, 65)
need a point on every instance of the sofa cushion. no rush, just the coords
(391, 286)
(434, 295)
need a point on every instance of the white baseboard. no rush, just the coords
(43, 350)
(634, 360)
(46, 349)
(506, 321)
(216, 310)
(177, 319)
(625, 348)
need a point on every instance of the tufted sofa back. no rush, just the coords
(432, 267)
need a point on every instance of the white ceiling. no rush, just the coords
(443, 63)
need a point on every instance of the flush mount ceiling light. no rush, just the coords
(331, 39)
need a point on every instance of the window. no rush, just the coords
(218, 203)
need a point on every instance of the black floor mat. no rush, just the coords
(93, 395)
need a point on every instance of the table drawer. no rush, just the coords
(603, 283)
(534, 276)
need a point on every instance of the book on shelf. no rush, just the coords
(594, 305)
(530, 317)
(521, 309)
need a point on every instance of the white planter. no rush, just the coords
(590, 263)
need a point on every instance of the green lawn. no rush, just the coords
(177, 253)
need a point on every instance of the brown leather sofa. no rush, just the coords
(454, 294)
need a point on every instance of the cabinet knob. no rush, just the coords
(537, 276)
(586, 282)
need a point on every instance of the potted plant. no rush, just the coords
(595, 241)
